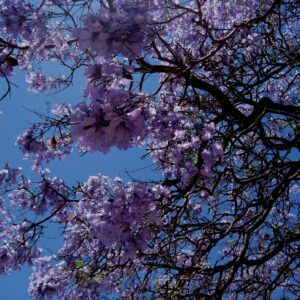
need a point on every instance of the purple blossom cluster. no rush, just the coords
(210, 156)
(15, 250)
(106, 80)
(12, 258)
(113, 215)
(123, 30)
(41, 149)
(20, 19)
(39, 83)
(109, 218)
(102, 126)
(9, 176)
(50, 194)
(232, 12)
(115, 115)
(176, 141)
(47, 281)
(221, 123)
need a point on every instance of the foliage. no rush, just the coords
(222, 126)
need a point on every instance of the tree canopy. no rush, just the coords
(222, 125)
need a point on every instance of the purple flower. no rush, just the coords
(123, 31)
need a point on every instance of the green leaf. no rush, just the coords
(274, 226)
(98, 278)
(195, 160)
(78, 263)
(171, 293)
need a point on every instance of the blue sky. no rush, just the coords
(17, 114)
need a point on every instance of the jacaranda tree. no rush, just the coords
(221, 123)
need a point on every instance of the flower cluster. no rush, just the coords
(124, 30)
(15, 249)
(211, 88)
(47, 281)
(41, 149)
(232, 13)
(9, 176)
(39, 83)
(114, 215)
(110, 218)
(101, 126)
(21, 19)
(183, 148)
(49, 193)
